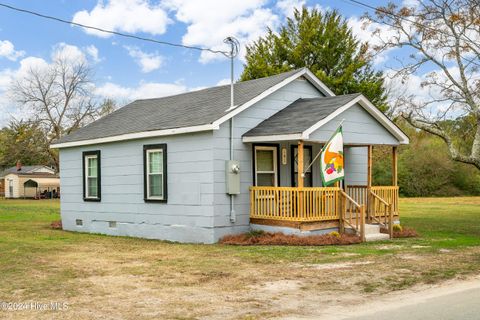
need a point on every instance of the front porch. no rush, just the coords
(348, 208)
(318, 208)
(288, 190)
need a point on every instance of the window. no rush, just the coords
(266, 165)
(307, 159)
(155, 172)
(91, 176)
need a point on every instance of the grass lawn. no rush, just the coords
(112, 277)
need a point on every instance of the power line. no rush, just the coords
(126, 35)
(366, 5)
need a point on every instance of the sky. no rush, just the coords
(128, 69)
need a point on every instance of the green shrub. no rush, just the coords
(255, 233)
(335, 234)
(397, 228)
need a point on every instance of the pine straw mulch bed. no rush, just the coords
(278, 238)
(404, 233)
(56, 225)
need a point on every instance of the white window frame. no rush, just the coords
(87, 157)
(275, 164)
(150, 197)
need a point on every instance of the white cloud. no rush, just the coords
(223, 82)
(69, 52)
(130, 16)
(7, 50)
(147, 61)
(288, 6)
(92, 51)
(211, 21)
(371, 33)
(144, 90)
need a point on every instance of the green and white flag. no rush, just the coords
(331, 159)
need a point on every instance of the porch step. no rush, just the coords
(376, 237)
(372, 233)
(372, 228)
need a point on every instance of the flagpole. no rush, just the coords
(318, 154)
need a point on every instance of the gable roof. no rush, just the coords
(300, 115)
(27, 170)
(188, 112)
(304, 116)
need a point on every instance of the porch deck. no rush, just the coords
(311, 208)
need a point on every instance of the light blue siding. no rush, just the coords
(356, 166)
(186, 217)
(359, 127)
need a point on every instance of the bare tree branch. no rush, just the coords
(445, 39)
(58, 96)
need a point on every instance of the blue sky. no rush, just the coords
(126, 69)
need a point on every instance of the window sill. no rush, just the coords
(156, 200)
(92, 199)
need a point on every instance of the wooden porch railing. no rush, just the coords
(350, 208)
(295, 204)
(352, 215)
(358, 193)
(389, 194)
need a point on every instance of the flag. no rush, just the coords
(331, 159)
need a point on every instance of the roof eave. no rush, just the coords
(134, 136)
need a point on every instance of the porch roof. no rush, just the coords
(300, 115)
(301, 119)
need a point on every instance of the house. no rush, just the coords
(190, 168)
(30, 182)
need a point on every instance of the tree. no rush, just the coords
(106, 107)
(443, 39)
(324, 43)
(427, 157)
(23, 141)
(58, 97)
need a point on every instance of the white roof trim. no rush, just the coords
(279, 137)
(318, 84)
(137, 135)
(214, 126)
(364, 102)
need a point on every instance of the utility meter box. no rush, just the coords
(232, 169)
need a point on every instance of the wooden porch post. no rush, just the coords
(300, 164)
(394, 166)
(300, 179)
(369, 183)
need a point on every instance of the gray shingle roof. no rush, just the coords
(300, 115)
(24, 171)
(184, 110)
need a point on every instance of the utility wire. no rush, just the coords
(366, 5)
(126, 35)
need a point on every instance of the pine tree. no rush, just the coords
(323, 43)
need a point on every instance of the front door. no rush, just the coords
(266, 166)
(307, 159)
